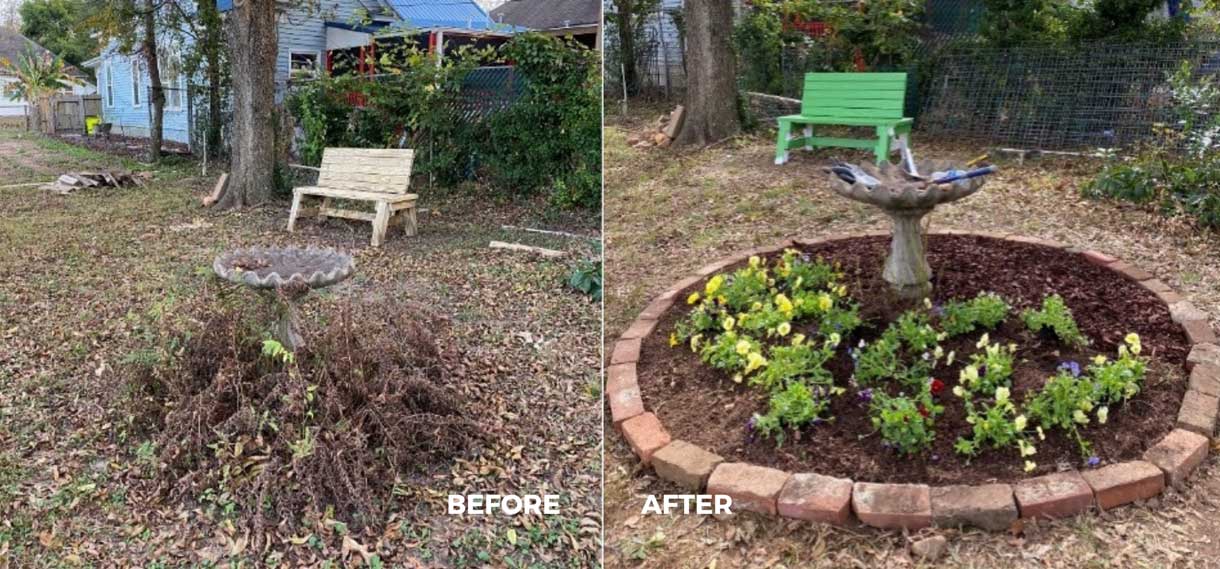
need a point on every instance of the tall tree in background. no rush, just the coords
(133, 27)
(58, 26)
(711, 74)
(152, 57)
(630, 18)
(252, 54)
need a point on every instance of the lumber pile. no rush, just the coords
(73, 181)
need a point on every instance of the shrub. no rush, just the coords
(1057, 318)
(334, 425)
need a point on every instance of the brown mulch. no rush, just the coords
(124, 146)
(681, 390)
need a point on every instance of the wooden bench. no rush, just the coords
(848, 99)
(381, 176)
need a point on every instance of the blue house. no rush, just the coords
(307, 38)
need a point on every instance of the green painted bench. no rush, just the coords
(848, 99)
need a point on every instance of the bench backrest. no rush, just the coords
(854, 95)
(381, 170)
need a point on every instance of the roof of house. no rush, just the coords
(451, 14)
(13, 45)
(549, 14)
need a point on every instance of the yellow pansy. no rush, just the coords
(825, 302)
(783, 304)
(673, 339)
(1133, 340)
(1099, 359)
(743, 347)
(1030, 466)
(1019, 422)
(1103, 414)
(755, 261)
(784, 328)
(713, 285)
(1001, 393)
(729, 322)
(835, 338)
(693, 298)
(798, 339)
(754, 361)
(694, 342)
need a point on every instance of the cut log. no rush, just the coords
(549, 253)
(217, 191)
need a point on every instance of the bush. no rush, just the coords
(549, 140)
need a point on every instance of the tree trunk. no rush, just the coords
(157, 96)
(711, 74)
(212, 45)
(252, 53)
(625, 22)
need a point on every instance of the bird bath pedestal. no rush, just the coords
(906, 200)
(287, 274)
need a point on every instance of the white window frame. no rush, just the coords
(137, 81)
(109, 86)
(172, 57)
(317, 60)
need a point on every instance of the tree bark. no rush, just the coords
(157, 96)
(711, 74)
(252, 52)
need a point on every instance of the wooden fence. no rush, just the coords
(63, 114)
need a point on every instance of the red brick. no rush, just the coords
(816, 498)
(640, 328)
(1030, 240)
(1057, 495)
(646, 435)
(1169, 297)
(1199, 331)
(1124, 483)
(1208, 354)
(1178, 454)
(675, 292)
(656, 309)
(1205, 378)
(716, 267)
(753, 488)
(1155, 285)
(626, 351)
(1098, 258)
(1183, 311)
(988, 506)
(623, 393)
(1198, 412)
(686, 464)
(891, 506)
(1130, 271)
(811, 241)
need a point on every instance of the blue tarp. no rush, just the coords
(460, 14)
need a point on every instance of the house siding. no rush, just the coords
(130, 119)
(304, 30)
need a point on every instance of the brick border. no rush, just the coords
(914, 506)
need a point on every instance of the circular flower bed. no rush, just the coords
(1032, 370)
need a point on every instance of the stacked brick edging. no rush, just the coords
(811, 496)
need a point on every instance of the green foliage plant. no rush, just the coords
(1055, 316)
(985, 311)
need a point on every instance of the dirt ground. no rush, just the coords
(668, 211)
(79, 274)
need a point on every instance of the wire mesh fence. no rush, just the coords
(657, 53)
(1061, 98)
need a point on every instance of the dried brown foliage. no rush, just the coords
(366, 405)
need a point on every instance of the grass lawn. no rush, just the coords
(670, 211)
(81, 276)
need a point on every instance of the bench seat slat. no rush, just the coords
(845, 121)
(355, 194)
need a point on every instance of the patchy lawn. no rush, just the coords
(670, 211)
(82, 275)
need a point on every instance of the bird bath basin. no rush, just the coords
(906, 199)
(286, 274)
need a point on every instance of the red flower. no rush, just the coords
(923, 411)
(937, 386)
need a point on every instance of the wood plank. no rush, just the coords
(843, 142)
(368, 152)
(845, 121)
(821, 111)
(355, 195)
(891, 108)
(345, 213)
(551, 253)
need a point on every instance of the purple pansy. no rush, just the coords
(1070, 366)
(1094, 461)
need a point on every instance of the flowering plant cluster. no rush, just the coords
(1056, 317)
(907, 424)
(987, 311)
(774, 327)
(988, 369)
